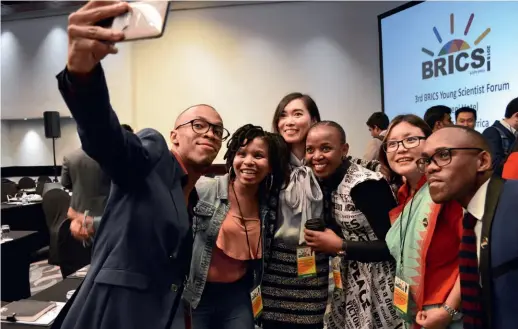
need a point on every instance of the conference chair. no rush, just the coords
(45, 179)
(51, 186)
(40, 184)
(8, 189)
(55, 206)
(26, 183)
(72, 254)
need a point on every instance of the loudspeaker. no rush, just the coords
(52, 124)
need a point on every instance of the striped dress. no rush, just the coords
(288, 298)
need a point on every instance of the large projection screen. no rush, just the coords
(449, 53)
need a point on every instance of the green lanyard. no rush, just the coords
(402, 236)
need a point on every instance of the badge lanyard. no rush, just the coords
(402, 235)
(257, 300)
(401, 287)
(246, 231)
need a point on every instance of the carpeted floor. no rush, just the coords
(43, 275)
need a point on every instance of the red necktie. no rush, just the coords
(471, 292)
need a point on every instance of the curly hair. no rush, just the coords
(278, 155)
(278, 159)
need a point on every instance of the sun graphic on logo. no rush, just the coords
(455, 45)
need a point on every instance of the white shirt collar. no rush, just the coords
(508, 126)
(478, 202)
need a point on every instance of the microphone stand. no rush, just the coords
(54, 154)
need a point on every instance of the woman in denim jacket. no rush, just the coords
(229, 227)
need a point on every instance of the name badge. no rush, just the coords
(306, 263)
(337, 275)
(257, 302)
(401, 290)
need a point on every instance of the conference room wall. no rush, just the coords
(24, 143)
(33, 52)
(5, 149)
(240, 59)
(244, 59)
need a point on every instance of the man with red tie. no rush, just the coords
(457, 163)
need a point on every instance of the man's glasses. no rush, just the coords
(441, 158)
(408, 143)
(201, 126)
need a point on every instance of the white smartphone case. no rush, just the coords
(145, 20)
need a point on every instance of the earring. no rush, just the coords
(230, 172)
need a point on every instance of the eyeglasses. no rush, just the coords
(201, 126)
(441, 158)
(408, 143)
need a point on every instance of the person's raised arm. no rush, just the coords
(83, 87)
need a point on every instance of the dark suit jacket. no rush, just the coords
(494, 139)
(89, 183)
(142, 250)
(499, 257)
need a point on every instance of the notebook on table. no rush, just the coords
(81, 273)
(31, 312)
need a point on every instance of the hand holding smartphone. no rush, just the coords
(89, 42)
(144, 20)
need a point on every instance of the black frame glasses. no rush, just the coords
(201, 127)
(406, 142)
(442, 157)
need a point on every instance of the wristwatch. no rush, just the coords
(342, 252)
(455, 315)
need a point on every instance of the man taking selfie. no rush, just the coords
(142, 249)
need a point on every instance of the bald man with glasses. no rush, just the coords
(142, 248)
(457, 164)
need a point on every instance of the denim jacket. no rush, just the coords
(209, 213)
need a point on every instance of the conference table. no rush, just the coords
(16, 249)
(24, 217)
(56, 293)
(27, 217)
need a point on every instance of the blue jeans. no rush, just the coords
(224, 306)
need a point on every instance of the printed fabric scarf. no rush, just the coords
(328, 186)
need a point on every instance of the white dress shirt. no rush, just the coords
(476, 208)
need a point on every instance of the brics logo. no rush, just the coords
(457, 55)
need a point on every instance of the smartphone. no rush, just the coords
(144, 20)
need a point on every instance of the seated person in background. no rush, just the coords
(457, 164)
(229, 227)
(90, 188)
(466, 116)
(438, 116)
(378, 123)
(501, 136)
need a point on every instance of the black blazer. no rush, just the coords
(499, 254)
(494, 138)
(143, 246)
